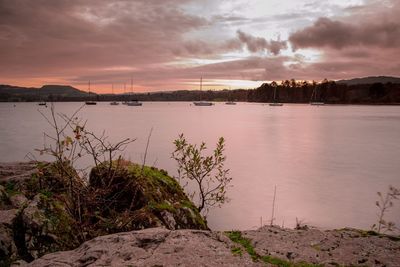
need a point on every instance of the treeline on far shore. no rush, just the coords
(289, 91)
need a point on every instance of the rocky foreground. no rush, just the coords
(35, 223)
(272, 246)
(151, 247)
(341, 247)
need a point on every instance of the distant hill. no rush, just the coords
(44, 93)
(370, 80)
(45, 90)
(64, 90)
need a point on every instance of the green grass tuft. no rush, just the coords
(237, 251)
(276, 261)
(161, 206)
(11, 189)
(236, 236)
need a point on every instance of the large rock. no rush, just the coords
(40, 227)
(8, 249)
(131, 198)
(344, 247)
(43, 211)
(8, 215)
(151, 247)
(47, 227)
(33, 220)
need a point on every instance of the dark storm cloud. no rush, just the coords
(259, 44)
(364, 41)
(44, 34)
(326, 32)
(253, 44)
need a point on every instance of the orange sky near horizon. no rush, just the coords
(119, 88)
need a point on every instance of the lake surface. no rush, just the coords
(327, 162)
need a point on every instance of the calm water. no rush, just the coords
(327, 162)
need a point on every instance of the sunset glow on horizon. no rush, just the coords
(168, 45)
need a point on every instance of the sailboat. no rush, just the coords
(90, 102)
(133, 102)
(114, 103)
(275, 103)
(314, 101)
(124, 102)
(230, 102)
(202, 103)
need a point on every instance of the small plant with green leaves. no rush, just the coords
(208, 172)
(384, 204)
(236, 236)
(237, 251)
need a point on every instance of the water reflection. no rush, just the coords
(327, 162)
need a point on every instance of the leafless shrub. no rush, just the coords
(300, 225)
(384, 204)
(70, 141)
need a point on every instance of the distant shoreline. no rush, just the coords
(219, 102)
(370, 91)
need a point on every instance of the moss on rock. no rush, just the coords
(56, 210)
(132, 197)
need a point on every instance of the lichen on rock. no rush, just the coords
(151, 247)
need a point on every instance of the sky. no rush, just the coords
(158, 45)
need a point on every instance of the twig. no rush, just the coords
(145, 152)
(273, 207)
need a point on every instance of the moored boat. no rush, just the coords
(201, 102)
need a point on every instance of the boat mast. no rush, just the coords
(201, 87)
(313, 94)
(131, 86)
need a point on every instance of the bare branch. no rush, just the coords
(147, 147)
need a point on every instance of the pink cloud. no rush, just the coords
(106, 41)
(336, 34)
(259, 44)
